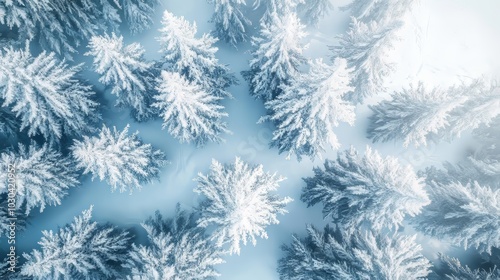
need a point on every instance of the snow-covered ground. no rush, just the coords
(443, 42)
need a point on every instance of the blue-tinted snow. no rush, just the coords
(443, 41)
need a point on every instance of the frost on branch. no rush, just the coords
(191, 57)
(481, 108)
(190, 113)
(379, 10)
(466, 214)
(415, 115)
(62, 26)
(8, 124)
(231, 24)
(276, 8)
(138, 14)
(277, 56)
(45, 95)
(124, 68)
(371, 190)
(308, 110)
(120, 159)
(42, 176)
(6, 219)
(239, 203)
(315, 10)
(367, 46)
(457, 271)
(80, 250)
(486, 158)
(177, 249)
(332, 254)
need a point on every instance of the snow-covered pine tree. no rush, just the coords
(463, 172)
(191, 57)
(119, 66)
(62, 25)
(418, 115)
(332, 254)
(371, 190)
(42, 176)
(138, 14)
(28, 17)
(231, 24)
(309, 108)
(277, 56)
(278, 7)
(80, 250)
(456, 271)
(120, 159)
(315, 10)
(23, 14)
(481, 108)
(45, 95)
(415, 114)
(5, 218)
(177, 249)
(5, 273)
(189, 112)
(366, 47)
(8, 124)
(379, 10)
(486, 159)
(239, 203)
(124, 68)
(77, 22)
(466, 214)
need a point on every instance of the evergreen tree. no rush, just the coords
(178, 249)
(481, 108)
(80, 250)
(6, 219)
(190, 113)
(239, 203)
(62, 25)
(23, 14)
(379, 10)
(459, 272)
(366, 47)
(466, 214)
(125, 69)
(314, 10)
(8, 124)
(415, 114)
(463, 172)
(138, 14)
(28, 16)
(277, 56)
(369, 190)
(122, 160)
(231, 24)
(309, 108)
(44, 93)
(191, 57)
(276, 7)
(486, 158)
(42, 176)
(332, 254)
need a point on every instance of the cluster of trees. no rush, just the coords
(239, 203)
(417, 115)
(62, 26)
(366, 198)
